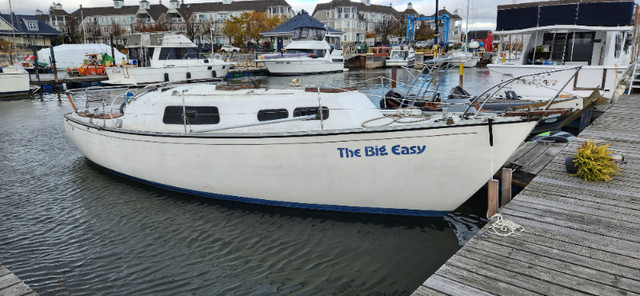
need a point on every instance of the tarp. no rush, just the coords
(72, 55)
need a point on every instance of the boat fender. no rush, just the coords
(391, 99)
(166, 77)
(188, 75)
(214, 74)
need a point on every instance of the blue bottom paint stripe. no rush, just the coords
(336, 208)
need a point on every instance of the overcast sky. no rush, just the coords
(482, 13)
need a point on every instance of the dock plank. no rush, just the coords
(580, 237)
(562, 253)
(11, 285)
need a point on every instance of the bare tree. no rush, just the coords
(388, 26)
(72, 30)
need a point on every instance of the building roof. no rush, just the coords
(410, 12)
(452, 16)
(58, 12)
(258, 5)
(302, 20)
(20, 25)
(155, 11)
(359, 5)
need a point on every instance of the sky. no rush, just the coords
(482, 13)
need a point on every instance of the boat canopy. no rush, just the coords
(568, 12)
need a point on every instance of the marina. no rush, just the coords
(247, 148)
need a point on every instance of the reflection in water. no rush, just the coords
(68, 226)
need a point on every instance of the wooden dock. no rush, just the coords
(580, 238)
(69, 80)
(11, 285)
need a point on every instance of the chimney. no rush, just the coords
(366, 2)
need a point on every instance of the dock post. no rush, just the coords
(394, 73)
(461, 74)
(55, 71)
(506, 187)
(492, 207)
(37, 69)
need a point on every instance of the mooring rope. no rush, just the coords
(504, 227)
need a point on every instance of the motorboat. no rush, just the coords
(165, 57)
(467, 59)
(401, 56)
(308, 53)
(304, 147)
(597, 35)
(14, 81)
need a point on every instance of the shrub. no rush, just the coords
(594, 163)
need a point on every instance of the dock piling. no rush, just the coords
(492, 207)
(506, 186)
(461, 74)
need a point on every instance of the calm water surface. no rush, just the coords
(69, 227)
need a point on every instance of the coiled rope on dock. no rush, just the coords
(504, 227)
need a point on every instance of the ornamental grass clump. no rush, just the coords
(594, 163)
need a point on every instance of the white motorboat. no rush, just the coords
(14, 81)
(595, 34)
(401, 56)
(155, 58)
(315, 148)
(467, 59)
(308, 53)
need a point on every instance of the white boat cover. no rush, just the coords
(72, 55)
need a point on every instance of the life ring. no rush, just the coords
(217, 56)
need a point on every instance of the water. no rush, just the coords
(69, 227)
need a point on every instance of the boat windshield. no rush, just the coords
(179, 53)
(400, 54)
(309, 34)
(317, 53)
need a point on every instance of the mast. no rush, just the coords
(466, 30)
(13, 30)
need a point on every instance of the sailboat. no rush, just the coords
(464, 57)
(14, 80)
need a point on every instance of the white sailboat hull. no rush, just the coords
(355, 171)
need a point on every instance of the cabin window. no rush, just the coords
(195, 115)
(178, 53)
(272, 114)
(305, 111)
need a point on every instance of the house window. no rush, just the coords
(272, 114)
(195, 115)
(345, 12)
(32, 25)
(305, 111)
(329, 14)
